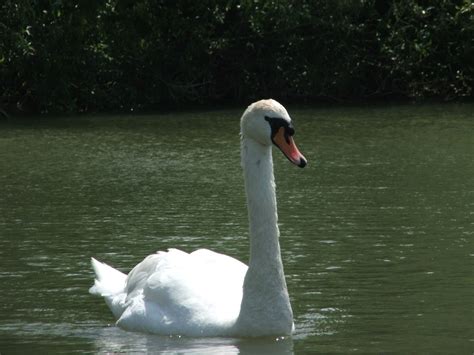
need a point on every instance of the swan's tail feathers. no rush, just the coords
(108, 281)
(110, 284)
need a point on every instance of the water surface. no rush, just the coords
(376, 233)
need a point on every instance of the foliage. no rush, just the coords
(89, 55)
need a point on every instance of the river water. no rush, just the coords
(376, 232)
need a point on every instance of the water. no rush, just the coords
(377, 232)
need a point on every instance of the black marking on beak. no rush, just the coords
(276, 123)
(303, 163)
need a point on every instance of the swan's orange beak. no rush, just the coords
(287, 145)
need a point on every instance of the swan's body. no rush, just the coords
(209, 294)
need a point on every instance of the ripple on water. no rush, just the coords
(375, 232)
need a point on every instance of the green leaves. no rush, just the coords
(95, 55)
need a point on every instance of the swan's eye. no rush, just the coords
(290, 129)
(277, 122)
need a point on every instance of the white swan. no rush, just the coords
(209, 294)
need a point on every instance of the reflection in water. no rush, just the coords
(115, 340)
(37, 336)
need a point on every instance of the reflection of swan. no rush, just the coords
(114, 340)
(205, 293)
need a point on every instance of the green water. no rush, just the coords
(376, 233)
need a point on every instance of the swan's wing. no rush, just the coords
(202, 279)
(138, 277)
(202, 287)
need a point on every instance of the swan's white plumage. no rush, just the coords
(204, 293)
(109, 281)
(177, 293)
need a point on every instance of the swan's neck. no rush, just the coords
(265, 305)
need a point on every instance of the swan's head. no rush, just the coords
(267, 122)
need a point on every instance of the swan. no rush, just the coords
(204, 293)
